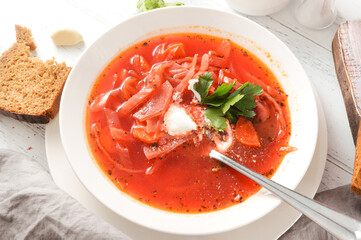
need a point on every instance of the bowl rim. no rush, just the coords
(68, 149)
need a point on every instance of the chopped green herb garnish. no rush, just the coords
(218, 97)
(216, 118)
(224, 104)
(146, 5)
(202, 87)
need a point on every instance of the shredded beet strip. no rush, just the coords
(273, 92)
(95, 129)
(184, 83)
(121, 135)
(157, 104)
(204, 63)
(100, 102)
(156, 79)
(263, 112)
(152, 151)
(280, 117)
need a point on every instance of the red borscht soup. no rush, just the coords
(160, 107)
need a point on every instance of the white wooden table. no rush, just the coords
(92, 18)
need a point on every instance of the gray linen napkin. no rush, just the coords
(341, 198)
(33, 207)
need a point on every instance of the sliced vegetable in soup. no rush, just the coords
(161, 106)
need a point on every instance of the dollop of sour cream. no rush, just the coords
(178, 122)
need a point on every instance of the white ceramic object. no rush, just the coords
(166, 21)
(316, 14)
(257, 7)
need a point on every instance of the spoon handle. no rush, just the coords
(338, 224)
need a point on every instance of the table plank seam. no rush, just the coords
(339, 164)
(304, 36)
(89, 13)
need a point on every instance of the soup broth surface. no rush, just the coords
(123, 138)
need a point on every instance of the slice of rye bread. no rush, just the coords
(30, 89)
(346, 48)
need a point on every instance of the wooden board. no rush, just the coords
(346, 48)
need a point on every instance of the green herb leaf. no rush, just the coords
(204, 82)
(216, 118)
(232, 114)
(247, 102)
(146, 5)
(174, 4)
(230, 102)
(251, 90)
(225, 105)
(221, 93)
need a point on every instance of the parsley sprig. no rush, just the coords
(224, 104)
(146, 5)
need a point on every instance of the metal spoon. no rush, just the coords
(338, 224)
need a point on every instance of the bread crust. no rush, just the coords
(22, 79)
(347, 54)
(26, 117)
(356, 177)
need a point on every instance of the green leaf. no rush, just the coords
(222, 92)
(216, 118)
(247, 102)
(238, 91)
(174, 4)
(231, 115)
(224, 104)
(216, 102)
(230, 102)
(146, 5)
(247, 113)
(203, 84)
(250, 90)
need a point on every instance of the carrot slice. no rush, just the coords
(148, 131)
(144, 136)
(246, 134)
